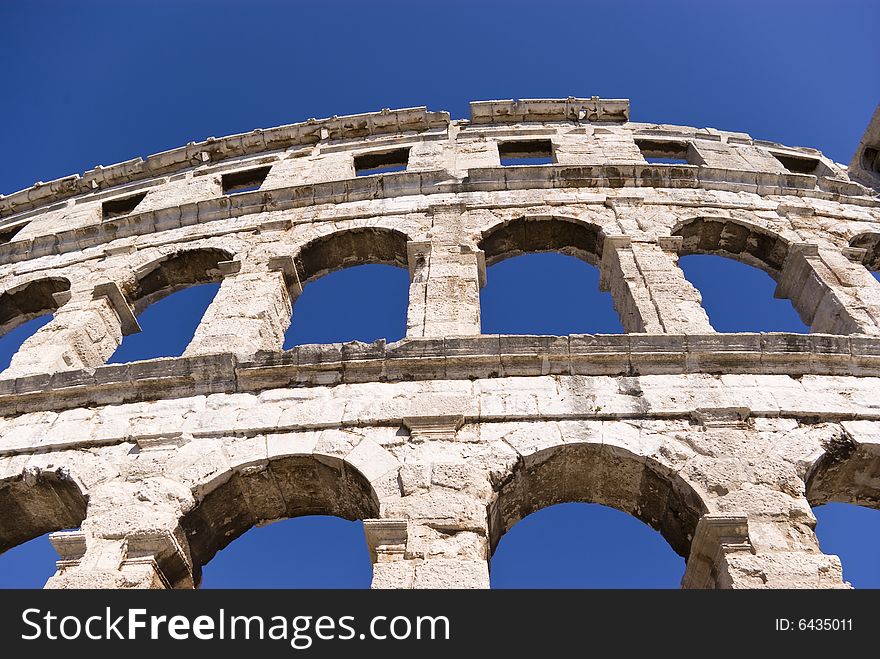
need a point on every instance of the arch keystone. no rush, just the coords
(433, 427)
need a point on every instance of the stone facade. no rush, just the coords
(442, 441)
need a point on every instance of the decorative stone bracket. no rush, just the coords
(386, 539)
(439, 427)
(287, 266)
(227, 268)
(71, 547)
(127, 320)
(855, 254)
(161, 551)
(716, 536)
(722, 417)
(156, 551)
(163, 441)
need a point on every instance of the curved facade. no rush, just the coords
(442, 441)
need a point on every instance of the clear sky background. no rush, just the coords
(88, 83)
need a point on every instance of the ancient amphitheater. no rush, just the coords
(442, 441)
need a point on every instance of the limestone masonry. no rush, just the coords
(442, 441)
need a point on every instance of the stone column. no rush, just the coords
(444, 290)
(436, 534)
(250, 312)
(84, 333)
(739, 550)
(408, 554)
(129, 539)
(832, 294)
(758, 529)
(651, 293)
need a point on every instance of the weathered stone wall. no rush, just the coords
(444, 440)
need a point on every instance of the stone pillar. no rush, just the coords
(436, 534)
(83, 333)
(250, 312)
(129, 539)
(735, 550)
(832, 294)
(444, 290)
(410, 554)
(758, 530)
(651, 293)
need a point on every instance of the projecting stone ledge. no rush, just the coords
(459, 358)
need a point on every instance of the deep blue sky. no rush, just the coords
(91, 83)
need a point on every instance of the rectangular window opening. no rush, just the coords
(248, 180)
(526, 152)
(383, 162)
(120, 207)
(797, 164)
(665, 152)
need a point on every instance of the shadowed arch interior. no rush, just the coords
(7, 233)
(736, 240)
(34, 504)
(29, 301)
(847, 473)
(176, 272)
(870, 242)
(285, 487)
(349, 248)
(608, 475)
(526, 235)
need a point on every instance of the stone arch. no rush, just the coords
(174, 272)
(350, 247)
(282, 487)
(29, 300)
(35, 501)
(530, 234)
(734, 238)
(869, 241)
(610, 475)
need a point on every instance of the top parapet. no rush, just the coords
(550, 109)
(308, 132)
(407, 121)
(215, 149)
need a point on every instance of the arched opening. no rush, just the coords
(580, 545)
(598, 474)
(870, 242)
(316, 551)
(24, 310)
(355, 288)
(28, 565)
(13, 340)
(853, 534)
(738, 297)
(843, 487)
(285, 487)
(533, 267)
(735, 267)
(32, 505)
(170, 299)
